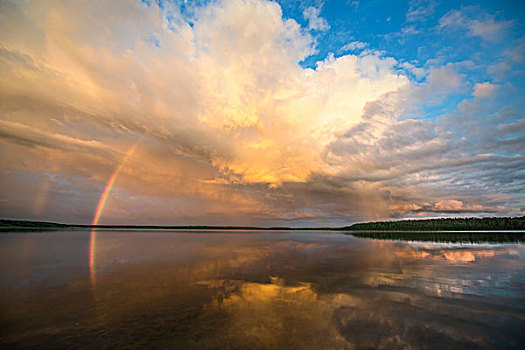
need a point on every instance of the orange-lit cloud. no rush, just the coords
(234, 128)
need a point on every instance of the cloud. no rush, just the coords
(420, 10)
(418, 72)
(353, 46)
(484, 89)
(484, 26)
(438, 159)
(311, 14)
(218, 120)
(230, 127)
(354, 4)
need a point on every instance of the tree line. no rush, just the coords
(449, 224)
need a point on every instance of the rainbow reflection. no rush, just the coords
(98, 212)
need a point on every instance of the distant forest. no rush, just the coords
(455, 224)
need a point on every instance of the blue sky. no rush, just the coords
(409, 31)
(260, 112)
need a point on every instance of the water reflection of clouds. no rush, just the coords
(261, 290)
(431, 268)
(452, 270)
(454, 254)
(405, 301)
(278, 315)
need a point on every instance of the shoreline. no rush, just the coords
(458, 225)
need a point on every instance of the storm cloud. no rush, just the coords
(232, 128)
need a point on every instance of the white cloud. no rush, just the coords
(353, 46)
(315, 22)
(418, 72)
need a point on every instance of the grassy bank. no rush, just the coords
(454, 237)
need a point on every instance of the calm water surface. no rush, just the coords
(257, 290)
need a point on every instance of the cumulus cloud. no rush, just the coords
(229, 127)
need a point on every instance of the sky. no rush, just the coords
(255, 112)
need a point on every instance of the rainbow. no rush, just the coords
(41, 198)
(98, 213)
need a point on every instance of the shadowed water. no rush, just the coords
(258, 290)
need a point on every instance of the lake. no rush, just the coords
(257, 290)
